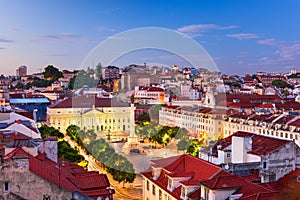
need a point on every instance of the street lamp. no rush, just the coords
(35, 115)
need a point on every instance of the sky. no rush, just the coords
(241, 36)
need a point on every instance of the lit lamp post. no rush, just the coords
(35, 114)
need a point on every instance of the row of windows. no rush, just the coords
(190, 118)
(154, 191)
(264, 131)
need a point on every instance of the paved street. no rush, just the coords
(130, 192)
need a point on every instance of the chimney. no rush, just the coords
(239, 149)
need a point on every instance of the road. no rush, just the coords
(132, 193)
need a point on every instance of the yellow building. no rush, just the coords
(201, 122)
(100, 114)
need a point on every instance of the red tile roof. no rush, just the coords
(13, 135)
(184, 166)
(291, 182)
(88, 102)
(264, 196)
(67, 175)
(266, 105)
(188, 163)
(261, 145)
(16, 153)
(295, 123)
(227, 181)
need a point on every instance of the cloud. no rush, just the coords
(287, 51)
(117, 37)
(269, 41)
(5, 40)
(57, 55)
(61, 36)
(64, 37)
(105, 29)
(1, 48)
(195, 30)
(243, 36)
(263, 59)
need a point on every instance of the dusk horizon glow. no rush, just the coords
(241, 36)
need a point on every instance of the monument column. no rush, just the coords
(132, 122)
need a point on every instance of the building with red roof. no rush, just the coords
(243, 152)
(149, 95)
(279, 125)
(102, 115)
(32, 176)
(189, 178)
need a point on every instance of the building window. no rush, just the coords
(160, 195)
(170, 183)
(170, 198)
(147, 185)
(206, 194)
(183, 192)
(6, 186)
(228, 155)
(265, 165)
(153, 190)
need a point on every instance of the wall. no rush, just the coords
(26, 184)
(147, 194)
(99, 119)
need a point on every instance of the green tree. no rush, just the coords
(52, 73)
(72, 131)
(99, 73)
(281, 84)
(83, 78)
(50, 131)
(117, 165)
(181, 133)
(65, 151)
(144, 118)
(183, 145)
(193, 148)
(71, 83)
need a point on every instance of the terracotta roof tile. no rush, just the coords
(88, 102)
(261, 145)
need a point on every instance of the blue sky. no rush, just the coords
(240, 35)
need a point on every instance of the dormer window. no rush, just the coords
(156, 173)
(6, 186)
(183, 192)
(170, 184)
(265, 165)
(147, 185)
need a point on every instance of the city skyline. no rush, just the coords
(240, 36)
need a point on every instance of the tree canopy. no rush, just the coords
(117, 165)
(281, 84)
(144, 118)
(194, 146)
(82, 78)
(50, 131)
(52, 73)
